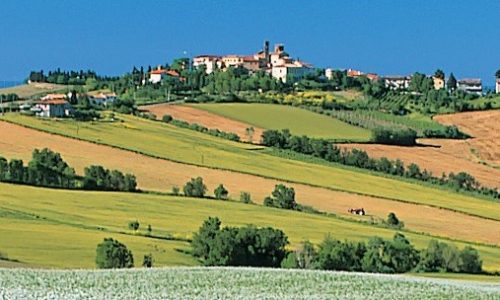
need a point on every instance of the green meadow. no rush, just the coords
(61, 228)
(299, 121)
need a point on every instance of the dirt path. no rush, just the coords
(207, 119)
(161, 175)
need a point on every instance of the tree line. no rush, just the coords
(47, 168)
(328, 151)
(59, 76)
(266, 247)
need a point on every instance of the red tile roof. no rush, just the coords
(53, 102)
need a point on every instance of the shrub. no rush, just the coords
(195, 188)
(393, 220)
(133, 225)
(404, 137)
(245, 197)
(175, 190)
(220, 192)
(112, 254)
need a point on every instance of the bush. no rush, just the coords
(112, 254)
(147, 261)
(221, 193)
(245, 197)
(393, 220)
(175, 190)
(442, 257)
(167, 118)
(195, 188)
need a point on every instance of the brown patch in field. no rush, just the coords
(207, 119)
(484, 127)
(162, 175)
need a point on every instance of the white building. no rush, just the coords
(497, 86)
(290, 71)
(56, 108)
(397, 82)
(470, 85)
(210, 62)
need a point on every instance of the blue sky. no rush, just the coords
(386, 37)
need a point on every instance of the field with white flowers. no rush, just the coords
(235, 283)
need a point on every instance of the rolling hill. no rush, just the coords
(79, 220)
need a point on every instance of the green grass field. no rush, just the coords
(187, 146)
(299, 121)
(61, 228)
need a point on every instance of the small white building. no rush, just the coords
(56, 108)
(497, 86)
(294, 71)
(210, 62)
(102, 99)
(397, 82)
(470, 85)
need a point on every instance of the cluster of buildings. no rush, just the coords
(276, 63)
(58, 106)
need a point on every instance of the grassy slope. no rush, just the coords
(66, 231)
(299, 121)
(183, 145)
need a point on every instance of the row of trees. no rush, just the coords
(265, 247)
(384, 256)
(200, 128)
(59, 76)
(8, 97)
(112, 254)
(47, 168)
(327, 150)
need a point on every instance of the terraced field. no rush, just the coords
(232, 283)
(161, 175)
(299, 121)
(79, 220)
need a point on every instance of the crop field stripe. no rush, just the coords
(487, 213)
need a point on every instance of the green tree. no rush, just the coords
(147, 261)
(4, 169)
(393, 220)
(195, 188)
(469, 261)
(497, 74)
(133, 225)
(112, 254)
(439, 74)
(203, 239)
(220, 192)
(281, 197)
(452, 82)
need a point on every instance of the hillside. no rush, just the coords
(160, 174)
(224, 283)
(78, 221)
(33, 89)
(298, 121)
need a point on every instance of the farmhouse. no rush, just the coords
(52, 108)
(470, 85)
(210, 62)
(397, 82)
(102, 99)
(290, 71)
(156, 76)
